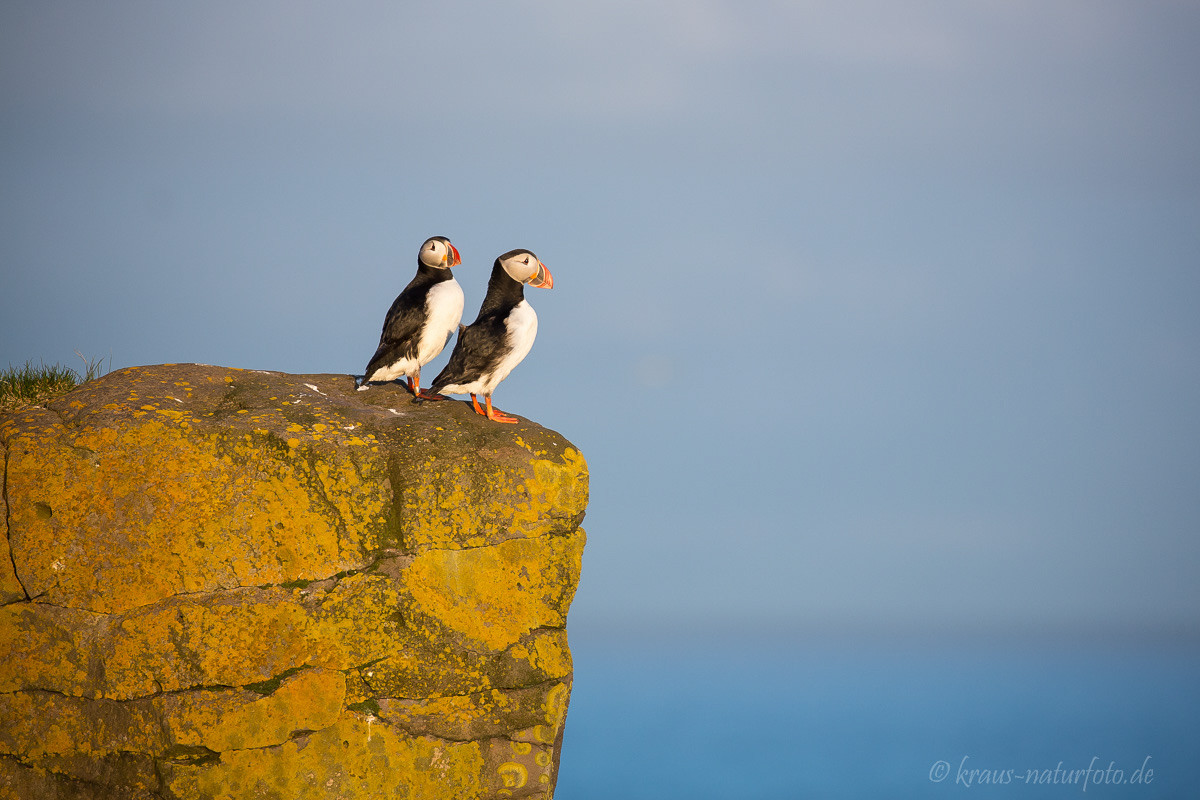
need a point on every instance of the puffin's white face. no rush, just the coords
(438, 252)
(524, 266)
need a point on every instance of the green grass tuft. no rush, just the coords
(31, 385)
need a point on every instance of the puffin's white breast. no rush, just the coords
(443, 311)
(522, 330)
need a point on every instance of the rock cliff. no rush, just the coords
(228, 583)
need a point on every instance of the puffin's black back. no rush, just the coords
(484, 342)
(402, 325)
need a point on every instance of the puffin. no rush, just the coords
(421, 320)
(501, 336)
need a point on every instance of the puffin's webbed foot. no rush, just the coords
(495, 414)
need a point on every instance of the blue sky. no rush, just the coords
(866, 314)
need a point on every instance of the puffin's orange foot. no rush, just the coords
(425, 394)
(496, 415)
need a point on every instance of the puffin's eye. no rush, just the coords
(526, 261)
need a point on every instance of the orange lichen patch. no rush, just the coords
(495, 595)
(310, 700)
(360, 756)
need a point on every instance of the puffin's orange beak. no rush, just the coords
(455, 259)
(542, 279)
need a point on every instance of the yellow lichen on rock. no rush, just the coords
(479, 715)
(45, 724)
(47, 648)
(545, 653)
(561, 483)
(310, 700)
(232, 640)
(228, 583)
(486, 500)
(214, 512)
(353, 758)
(495, 595)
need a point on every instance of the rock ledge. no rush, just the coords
(229, 583)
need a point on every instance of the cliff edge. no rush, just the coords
(229, 583)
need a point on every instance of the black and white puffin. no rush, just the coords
(421, 320)
(489, 348)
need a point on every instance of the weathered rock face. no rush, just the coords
(223, 583)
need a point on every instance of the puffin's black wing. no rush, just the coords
(479, 348)
(401, 327)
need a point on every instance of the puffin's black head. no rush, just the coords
(438, 252)
(524, 267)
